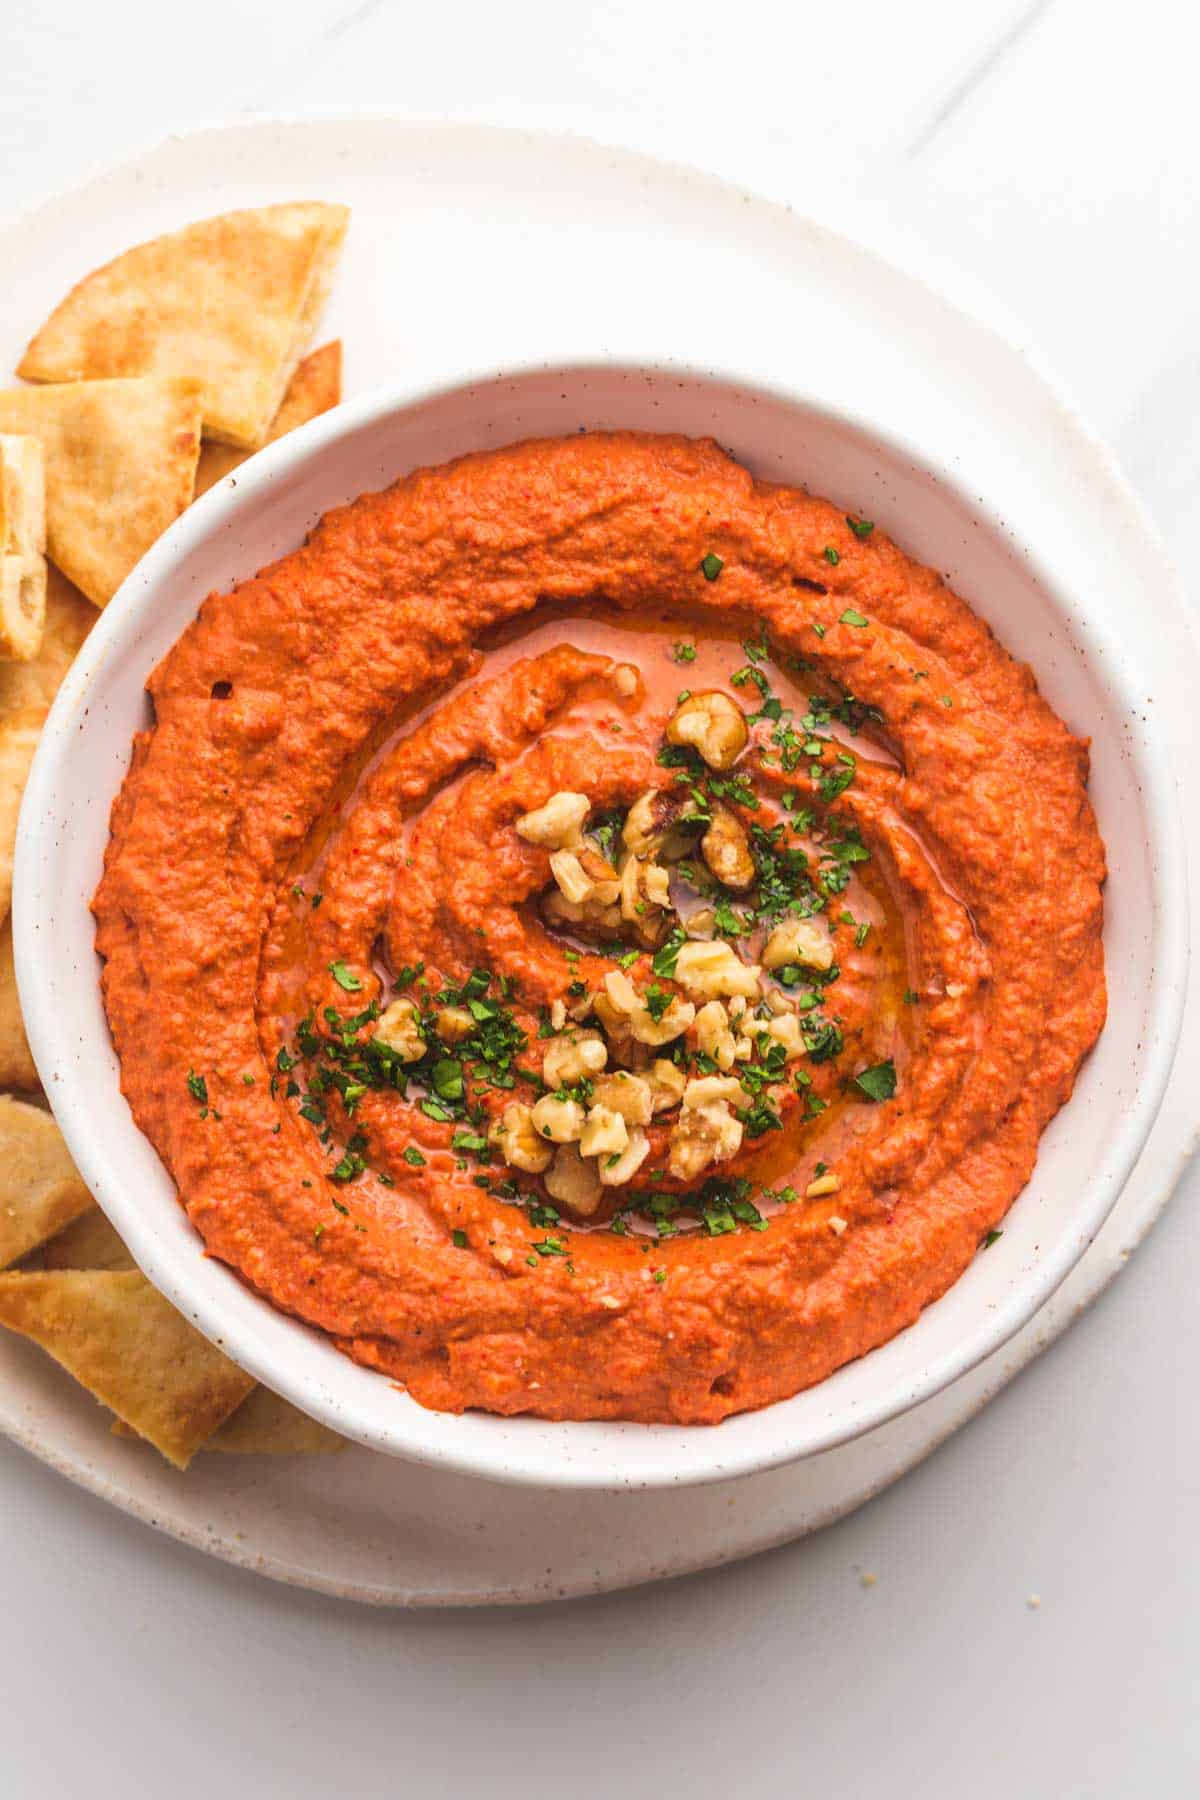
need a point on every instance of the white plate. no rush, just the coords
(526, 247)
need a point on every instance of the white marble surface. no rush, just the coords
(1047, 152)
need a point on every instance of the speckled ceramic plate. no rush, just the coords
(581, 244)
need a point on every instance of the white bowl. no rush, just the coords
(264, 510)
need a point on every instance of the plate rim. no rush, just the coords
(946, 293)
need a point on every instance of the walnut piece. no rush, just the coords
(712, 724)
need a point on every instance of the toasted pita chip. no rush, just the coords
(16, 1063)
(69, 618)
(232, 301)
(128, 1346)
(89, 1243)
(22, 605)
(41, 1190)
(19, 734)
(313, 389)
(22, 546)
(120, 466)
(26, 690)
(22, 496)
(265, 1424)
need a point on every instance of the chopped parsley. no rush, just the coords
(850, 617)
(666, 957)
(862, 528)
(711, 566)
(197, 1087)
(831, 555)
(877, 1082)
(345, 978)
(684, 653)
(413, 1157)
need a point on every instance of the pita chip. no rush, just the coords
(16, 1063)
(32, 685)
(120, 467)
(22, 605)
(22, 545)
(89, 1243)
(313, 389)
(266, 1424)
(26, 690)
(41, 1190)
(22, 496)
(128, 1346)
(232, 301)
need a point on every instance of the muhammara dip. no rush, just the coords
(597, 935)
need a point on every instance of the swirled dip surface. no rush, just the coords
(472, 1040)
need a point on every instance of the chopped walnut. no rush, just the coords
(561, 1121)
(798, 941)
(725, 847)
(715, 971)
(573, 1180)
(785, 1030)
(630, 1095)
(670, 1024)
(705, 1134)
(606, 883)
(667, 1082)
(626, 1165)
(605, 1133)
(661, 821)
(514, 1135)
(584, 878)
(621, 993)
(585, 916)
(645, 900)
(558, 824)
(632, 1018)
(713, 1036)
(573, 1057)
(454, 1023)
(399, 1027)
(704, 1090)
(713, 724)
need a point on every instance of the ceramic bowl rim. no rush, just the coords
(414, 1432)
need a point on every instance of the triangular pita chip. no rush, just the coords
(22, 606)
(90, 1243)
(313, 389)
(41, 1190)
(120, 467)
(26, 690)
(22, 496)
(19, 733)
(128, 1346)
(266, 1424)
(69, 618)
(16, 1063)
(232, 301)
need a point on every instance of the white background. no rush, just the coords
(1049, 151)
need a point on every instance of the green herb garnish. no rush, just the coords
(878, 1082)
